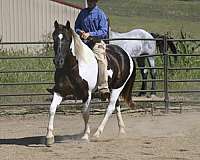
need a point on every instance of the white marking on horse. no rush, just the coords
(83, 53)
(110, 73)
(87, 63)
(60, 36)
(56, 101)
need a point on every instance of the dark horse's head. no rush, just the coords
(62, 38)
(170, 44)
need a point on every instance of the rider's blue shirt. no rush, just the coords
(93, 21)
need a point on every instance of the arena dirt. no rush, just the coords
(170, 136)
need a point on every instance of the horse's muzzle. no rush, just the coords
(59, 63)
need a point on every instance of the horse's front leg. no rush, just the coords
(86, 114)
(111, 107)
(55, 102)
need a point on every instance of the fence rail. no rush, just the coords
(165, 80)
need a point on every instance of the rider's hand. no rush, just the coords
(85, 35)
(81, 32)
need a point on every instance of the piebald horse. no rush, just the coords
(76, 73)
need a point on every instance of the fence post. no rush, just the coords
(165, 56)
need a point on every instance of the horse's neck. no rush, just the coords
(87, 63)
(70, 63)
(82, 52)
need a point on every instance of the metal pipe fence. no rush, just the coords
(166, 81)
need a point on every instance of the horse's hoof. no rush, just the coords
(49, 141)
(85, 138)
(96, 134)
(122, 131)
(122, 134)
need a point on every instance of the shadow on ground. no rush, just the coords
(37, 140)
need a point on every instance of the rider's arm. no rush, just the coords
(102, 29)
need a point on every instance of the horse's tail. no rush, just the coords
(127, 90)
(171, 45)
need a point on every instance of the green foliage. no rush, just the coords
(33, 63)
(159, 16)
(186, 59)
(187, 49)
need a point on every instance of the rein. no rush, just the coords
(60, 46)
(75, 67)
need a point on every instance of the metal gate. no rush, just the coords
(12, 95)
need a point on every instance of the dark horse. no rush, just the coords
(170, 45)
(76, 73)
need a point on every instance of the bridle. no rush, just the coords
(60, 56)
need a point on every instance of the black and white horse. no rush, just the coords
(76, 73)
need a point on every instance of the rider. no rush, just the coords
(92, 22)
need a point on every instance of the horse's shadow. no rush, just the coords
(38, 141)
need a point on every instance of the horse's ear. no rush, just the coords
(68, 25)
(56, 25)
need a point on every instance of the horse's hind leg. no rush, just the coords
(86, 113)
(56, 101)
(144, 73)
(119, 119)
(151, 62)
(111, 107)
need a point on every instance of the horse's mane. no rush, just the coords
(81, 50)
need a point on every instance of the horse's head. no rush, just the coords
(62, 38)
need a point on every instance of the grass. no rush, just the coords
(33, 64)
(46, 64)
(160, 16)
(154, 16)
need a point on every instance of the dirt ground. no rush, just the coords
(160, 137)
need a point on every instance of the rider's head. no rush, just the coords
(91, 3)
